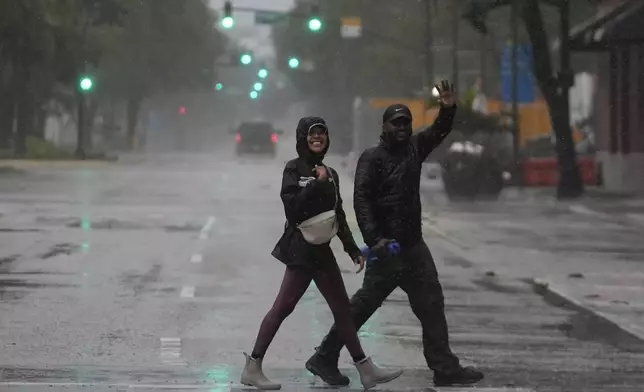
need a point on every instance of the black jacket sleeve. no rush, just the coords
(297, 199)
(344, 232)
(431, 137)
(363, 198)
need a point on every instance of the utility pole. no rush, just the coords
(456, 17)
(566, 76)
(514, 27)
(429, 43)
(80, 127)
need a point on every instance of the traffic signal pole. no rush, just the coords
(80, 140)
(398, 43)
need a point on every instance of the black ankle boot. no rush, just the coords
(327, 370)
(463, 376)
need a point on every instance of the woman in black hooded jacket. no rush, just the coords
(310, 188)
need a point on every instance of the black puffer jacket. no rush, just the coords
(387, 183)
(303, 197)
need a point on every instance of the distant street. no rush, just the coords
(155, 272)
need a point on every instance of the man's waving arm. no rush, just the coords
(430, 138)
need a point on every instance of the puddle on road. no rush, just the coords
(7, 230)
(8, 259)
(60, 249)
(16, 289)
(36, 273)
(117, 224)
(24, 284)
(494, 284)
(182, 228)
(141, 282)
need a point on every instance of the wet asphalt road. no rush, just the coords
(154, 274)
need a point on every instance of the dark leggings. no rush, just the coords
(296, 281)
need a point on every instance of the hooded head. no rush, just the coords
(396, 125)
(312, 139)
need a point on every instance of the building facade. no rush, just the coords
(617, 37)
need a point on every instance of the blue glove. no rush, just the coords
(393, 249)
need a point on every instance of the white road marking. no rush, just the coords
(205, 231)
(188, 292)
(583, 210)
(171, 351)
(196, 258)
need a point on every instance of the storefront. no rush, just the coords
(617, 36)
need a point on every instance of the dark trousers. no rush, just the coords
(414, 271)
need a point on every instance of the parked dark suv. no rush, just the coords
(257, 137)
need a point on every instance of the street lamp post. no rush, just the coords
(85, 85)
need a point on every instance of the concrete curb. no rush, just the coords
(624, 331)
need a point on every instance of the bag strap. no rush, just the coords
(335, 188)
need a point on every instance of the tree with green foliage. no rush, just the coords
(132, 48)
(164, 45)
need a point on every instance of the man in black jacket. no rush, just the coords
(387, 205)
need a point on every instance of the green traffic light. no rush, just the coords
(227, 22)
(263, 73)
(254, 95)
(315, 24)
(219, 86)
(258, 86)
(293, 62)
(86, 83)
(246, 59)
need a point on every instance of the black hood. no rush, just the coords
(302, 146)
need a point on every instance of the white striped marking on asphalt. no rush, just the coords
(196, 258)
(171, 351)
(221, 386)
(207, 227)
(583, 210)
(188, 292)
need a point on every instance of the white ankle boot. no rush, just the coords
(371, 375)
(254, 376)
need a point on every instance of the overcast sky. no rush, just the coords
(255, 38)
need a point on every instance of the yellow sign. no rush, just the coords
(352, 21)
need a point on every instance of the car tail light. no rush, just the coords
(237, 138)
(274, 137)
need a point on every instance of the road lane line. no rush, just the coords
(583, 210)
(196, 258)
(171, 351)
(205, 231)
(188, 292)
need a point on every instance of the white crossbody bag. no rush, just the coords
(321, 228)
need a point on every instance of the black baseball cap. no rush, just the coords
(395, 111)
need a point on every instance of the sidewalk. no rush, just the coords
(592, 263)
(616, 299)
